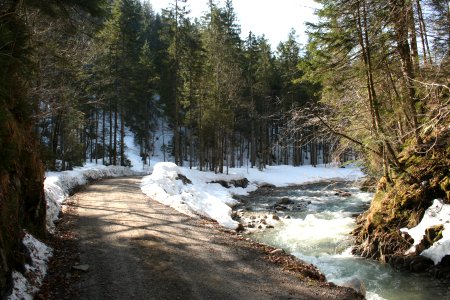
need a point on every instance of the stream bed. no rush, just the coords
(315, 225)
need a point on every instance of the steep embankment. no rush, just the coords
(22, 202)
(424, 176)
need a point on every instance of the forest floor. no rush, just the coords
(113, 242)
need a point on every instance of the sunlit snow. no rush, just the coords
(212, 200)
(436, 214)
(26, 285)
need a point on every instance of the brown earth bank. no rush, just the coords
(113, 242)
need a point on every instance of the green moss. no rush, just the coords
(423, 176)
(444, 185)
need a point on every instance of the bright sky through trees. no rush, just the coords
(272, 18)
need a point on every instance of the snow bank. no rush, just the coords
(213, 200)
(281, 176)
(26, 285)
(436, 214)
(164, 187)
(57, 185)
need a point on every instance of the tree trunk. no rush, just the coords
(403, 48)
(115, 135)
(111, 131)
(122, 139)
(103, 137)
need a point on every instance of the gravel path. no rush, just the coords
(137, 248)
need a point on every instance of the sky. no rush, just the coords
(273, 18)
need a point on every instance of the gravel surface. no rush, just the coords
(136, 248)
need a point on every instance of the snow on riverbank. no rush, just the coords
(436, 214)
(212, 200)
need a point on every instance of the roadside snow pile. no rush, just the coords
(204, 197)
(436, 214)
(25, 285)
(166, 186)
(58, 185)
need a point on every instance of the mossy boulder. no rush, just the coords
(402, 201)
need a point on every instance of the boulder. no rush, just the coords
(83, 268)
(267, 186)
(342, 193)
(222, 183)
(285, 201)
(184, 179)
(412, 263)
(276, 251)
(356, 284)
(419, 264)
(240, 228)
(243, 182)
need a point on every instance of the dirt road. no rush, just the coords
(137, 248)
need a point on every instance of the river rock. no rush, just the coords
(267, 186)
(419, 264)
(414, 263)
(275, 217)
(432, 235)
(83, 268)
(184, 179)
(280, 207)
(222, 183)
(240, 228)
(442, 270)
(356, 284)
(242, 183)
(342, 193)
(285, 201)
(276, 251)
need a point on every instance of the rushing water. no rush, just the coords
(319, 234)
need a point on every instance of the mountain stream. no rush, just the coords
(315, 225)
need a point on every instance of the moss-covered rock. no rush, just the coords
(401, 202)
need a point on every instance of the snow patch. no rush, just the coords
(437, 214)
(25, 286)
(163, 186)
